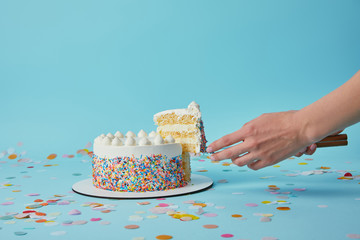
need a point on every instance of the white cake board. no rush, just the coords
(198, 183)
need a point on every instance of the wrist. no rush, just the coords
(309, 131)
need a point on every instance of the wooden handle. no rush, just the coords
(331, 143)
(335, 138)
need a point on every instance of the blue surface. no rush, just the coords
(70, 71)
(233, 188)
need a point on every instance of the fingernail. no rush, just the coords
(209, 149)
(212, 158)
(312, 147)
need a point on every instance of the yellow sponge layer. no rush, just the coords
(172, 118)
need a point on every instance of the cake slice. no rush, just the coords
(186, 127)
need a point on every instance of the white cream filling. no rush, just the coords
(178, 128)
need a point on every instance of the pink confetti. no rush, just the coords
(65, 156)
(161, 199)
(251, 205)
(163, 205)
(33, 194)
(353, 236)
(74, 212)
(159, 210)
(227, 235)
(7, 203)
(210, 214)
(95, 219)
(299, 189)
(64, 203)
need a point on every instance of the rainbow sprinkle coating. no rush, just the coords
(131, 174)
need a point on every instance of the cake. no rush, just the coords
(187, 128)
(139, 163)
(157, 161)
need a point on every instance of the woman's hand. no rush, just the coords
(264, 141)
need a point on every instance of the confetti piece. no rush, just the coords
(227, 235)
(210, 214)
(283, 208)
(131, 226)
(135, 218)
(105, 222)
(7, 203)
(138, 238)
(265, 219)
(51, 156)
(251, 205)
(186, 219)
(41, 221)
(159, 210)
(322, 206)
(302, 163)
(74, 212)
(33, 194)
(20, 233)
(79, 222)
(222, 181)
(210, 226)
(152, 216)
(95, 219)
(12, 156)
(143, 203)
(163, 205)
(236, 215)
(164, 237)
(353, 236)
(199, 204)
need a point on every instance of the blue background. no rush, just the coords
(71, 70)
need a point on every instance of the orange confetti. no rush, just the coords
(40, 220)
(236, 216)
(210, 226)
(47, 165)
(70, 156)
(199, 204)
(40, 214)
(272, 186)
(131, 226)
(164, 237)
(51, 156)
(38, 200)
(12, 156)
(283, 208)
(44, 204)
(325, 167)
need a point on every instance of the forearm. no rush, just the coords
(335, 111)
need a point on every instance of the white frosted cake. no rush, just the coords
(137, 163)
